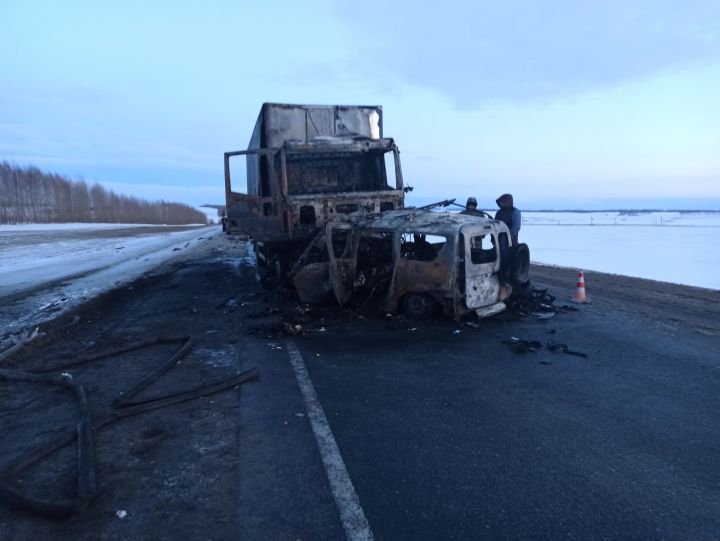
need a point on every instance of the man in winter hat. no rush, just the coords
(471, 207)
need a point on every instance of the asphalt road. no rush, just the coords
(454, 437)
(441, 434)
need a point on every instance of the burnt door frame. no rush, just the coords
(264, 218)
(481, 279)
(342, 268)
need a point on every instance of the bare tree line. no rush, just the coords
(27, 195)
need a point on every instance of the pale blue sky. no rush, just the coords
(563, 103)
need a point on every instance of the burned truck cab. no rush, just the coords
(307, 165)
(333, 178)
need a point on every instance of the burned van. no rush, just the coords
(415, 261)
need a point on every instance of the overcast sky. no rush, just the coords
(562, 103)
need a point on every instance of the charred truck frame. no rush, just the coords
(308, 165)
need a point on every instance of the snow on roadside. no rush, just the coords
(20, 228)
(669, 246)
(63, 274)
(681, 250)
(697, 219)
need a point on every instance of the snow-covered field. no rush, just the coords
(668, 246)
(700, 219)
(25, 228)
(55, 275)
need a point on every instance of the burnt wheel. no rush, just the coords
(520, 272)
(418, 305)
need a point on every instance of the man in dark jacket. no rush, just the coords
(509, 214)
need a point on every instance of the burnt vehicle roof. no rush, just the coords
(422, 220)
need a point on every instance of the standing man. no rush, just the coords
(471, 207)
(509, 214)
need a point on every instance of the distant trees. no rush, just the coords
(27, 195)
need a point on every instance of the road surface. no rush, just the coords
(362, 426)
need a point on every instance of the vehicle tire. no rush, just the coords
(418, 305)
(520, 272)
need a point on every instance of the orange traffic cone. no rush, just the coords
(580, 294)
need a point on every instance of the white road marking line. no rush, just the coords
(351, 514)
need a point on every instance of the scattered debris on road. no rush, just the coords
(18, 342)
(519, 345)
(124, 405)
(564, 348)
(528, 300)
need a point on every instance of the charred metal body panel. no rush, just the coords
(457, 260)
(280, 122)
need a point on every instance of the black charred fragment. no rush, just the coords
(564, 348)
(520, 346)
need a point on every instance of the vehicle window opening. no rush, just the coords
(387, 205)
(336, 172)
(374, 259)
(389, 165)
(346, 208)
(461, 263)
(482, 249)
(375, 248)
(261, 175)
(421, 246)
(307, 215)
(341, 242)
(239, 170)
(267, 209)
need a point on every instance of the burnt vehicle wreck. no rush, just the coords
(415, 261)
(323, 217)
(307, 165)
